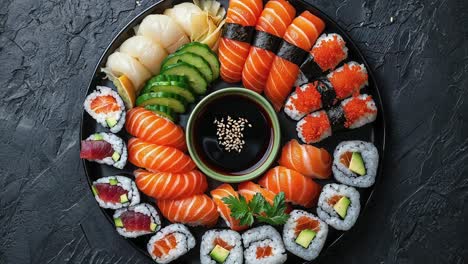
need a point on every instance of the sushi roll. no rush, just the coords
(326, 54)
(106, 107)
(221, 246)
(137, 220)
(351, 113)
(355, 163)
(115, 192)
(263, 245)
(170, 243)
(339, 206)
(304, 234)
(104, 148)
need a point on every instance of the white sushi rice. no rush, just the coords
(289, 236)
(300, 133)
(350, 64)
(229, 236)
(143, 208)
(127, 184)
(370, 156)
(185, 242)
(263, 236)
(326, 212)
(366, 118)
(119, 116)
(118, 145)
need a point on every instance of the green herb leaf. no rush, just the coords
(239, 209)
(257, 204)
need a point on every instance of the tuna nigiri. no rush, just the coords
(234, 46)
(158, 158)
(226, 190)
(152, 128)
(166, 185)
(249, 189)
(194, 211)
(306, 159)
(297, 188)
(298, 40)
(271, 26)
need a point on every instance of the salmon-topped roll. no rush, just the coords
(226, 190)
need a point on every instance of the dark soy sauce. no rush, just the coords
(258, 138)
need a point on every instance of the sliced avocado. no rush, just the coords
(95, 191)
(305, 237)
(113, 181)
(98, 136)
(219, 254)
(123, 198)
(357, 164)
(153, 226)
(118, 222)
(111, 122)
(341, 207)
(116, 156)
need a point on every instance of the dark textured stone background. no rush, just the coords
(48, 50)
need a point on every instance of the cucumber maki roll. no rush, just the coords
(221, 246)
(137, 220)
(263, 245)
(304, 234)
(115, 192)
(106, 107)
(170, 243)
(104, 148)
(355, 163)
(339, 206)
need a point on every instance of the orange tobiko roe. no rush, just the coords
(329, 53)
(348, 81)
(314, 127)
(304, 222)
(357, 108)
(307, 100)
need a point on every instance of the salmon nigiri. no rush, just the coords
(306, 159)
(166, 185)
(152, 128)
(158, 158)
(226, 190)
(297, 188)
(271, 26)
(302, 34)
(194, 211)
(233, 50)
(249, 189)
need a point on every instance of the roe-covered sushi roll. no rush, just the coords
(170, 243)
(104, 148)
(351, 113)
(304, 234)
(115, 192)
(263, 245)
(355, 163)
(106, 107)
(137, 220)
(221, 246)
(339, 206)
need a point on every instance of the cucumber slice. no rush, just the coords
(163, 111)
(191, 58)
(171, 87)
(116, 156)
(204, 51)
(174, 80)
(174, 101)
(153, 226)
(97, 137)
(113, 181)
(118, 222)
(195, 77)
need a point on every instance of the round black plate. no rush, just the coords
(374, 132)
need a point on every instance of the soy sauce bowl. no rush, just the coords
(262, 136)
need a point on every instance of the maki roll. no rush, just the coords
(339, 206)
(351, 113)
(106, 107)
(355, 163)
(104, 148)
(170, 243)
(304, 234)
(137, 220)
(221, 246)
(115, 192)
(263, 245)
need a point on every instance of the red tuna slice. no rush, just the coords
(95, 149)
(109, 193)
(135, 221)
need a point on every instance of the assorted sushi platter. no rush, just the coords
(241, 131)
